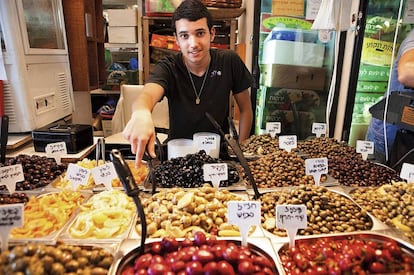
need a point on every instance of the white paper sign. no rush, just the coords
(77, 175)
(273, 128)
(319, 129)
(291, 217)
(104, 173)
(11, 215)
(244, 214)
(11, 174)
(215, 172)
(365, 148)
(316, 167)
(288, 142)
(407, 172)
(56, 150)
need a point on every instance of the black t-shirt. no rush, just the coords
(227, 73)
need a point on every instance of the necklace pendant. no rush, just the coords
(197, 100)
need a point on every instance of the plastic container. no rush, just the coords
(179, 147)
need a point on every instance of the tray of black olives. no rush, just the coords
(187, 172)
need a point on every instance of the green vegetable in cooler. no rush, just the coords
(381, 28)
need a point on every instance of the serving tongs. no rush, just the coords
(131, 189)
(235, 146)
(100, 150)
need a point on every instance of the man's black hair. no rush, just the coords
(192, 10)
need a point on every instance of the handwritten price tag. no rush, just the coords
(407, 172)
(205, 142)
(291, 217)
(244, 214)
(316, 167)
(273, 128)
(56, 150)
(11, 216)
(77, 175)
(365, 148)
(104, 173)
(319, 129)
(288, 142)
(11, 174)
(215, 172)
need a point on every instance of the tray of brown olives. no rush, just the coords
(60, 258)
(350, 253)
(199, 255)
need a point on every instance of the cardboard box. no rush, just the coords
(122, 34)
(373, 73)
(293, 77)
(293, 53)
(122, 17)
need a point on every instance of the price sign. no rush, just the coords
(244, 214)
(56, 150)
(11, 215)
(77, 175)
(11, 174)
(288, 142)
(215, 172)
(205, 142)
(273, 128)
(407, 172)
(316, 167)
(104, 173)
(291, 217)
(365, 148)
(319, 129)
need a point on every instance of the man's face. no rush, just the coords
(194, 38)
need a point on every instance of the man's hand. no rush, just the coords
(140, 132)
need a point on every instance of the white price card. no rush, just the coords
(104, 173)
(56, 150)
(291, 217)
(11, 215)
(365, 148)
(288, 142)
(407, 172)
(215, 172)
(205, 142)
(77, 175)
(244, 214)
(273, 128)
(316, 167)
(319, 129)
(11, 174)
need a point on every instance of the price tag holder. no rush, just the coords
(288, 142)
(407, 172)
(56, 150)
(365, 148)
(291, 217)
(104, 173)
(244, 214)
(215, 172)
(77, 175)
(11, 174)
(319, 129)
(316, 167)
(273, 128)
(205, 142)
(11, 215)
